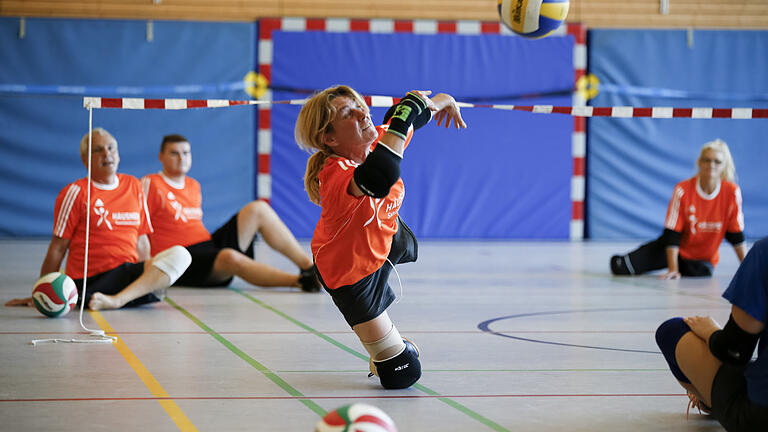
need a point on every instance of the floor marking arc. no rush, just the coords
(485, 326)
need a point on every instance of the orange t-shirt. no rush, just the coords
(704, 219)
(118, 219)
(354, 234)
(176, 212)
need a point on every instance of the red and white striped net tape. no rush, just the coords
(386, 101)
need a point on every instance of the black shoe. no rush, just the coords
(308, 280)
(619, 266)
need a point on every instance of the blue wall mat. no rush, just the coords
(507, 176)
(39, 135)
(633, 164)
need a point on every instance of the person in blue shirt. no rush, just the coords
(715, 365)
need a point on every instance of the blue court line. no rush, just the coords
(485, 326)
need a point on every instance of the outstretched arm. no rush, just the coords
(447, 109)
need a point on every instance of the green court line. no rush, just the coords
(488, 422)
(251, 361)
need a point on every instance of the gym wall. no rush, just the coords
(634, 164)
(40, 134)
(507, 175)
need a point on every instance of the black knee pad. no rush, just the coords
(668, 335)
(400, 371)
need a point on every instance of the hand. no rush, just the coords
(20, 302)
(447, 109)
(702, 326)
(672, 274)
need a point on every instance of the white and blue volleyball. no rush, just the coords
(533, 19)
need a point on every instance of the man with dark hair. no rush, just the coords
(174, 202)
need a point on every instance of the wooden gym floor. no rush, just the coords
(514, 336)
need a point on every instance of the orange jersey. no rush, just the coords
(175, 210)
(704, 219)
(354, 234)
(118, 218)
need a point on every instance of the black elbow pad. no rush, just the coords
(736, 238)
(671, 238)
(379, 172)
(732, 345)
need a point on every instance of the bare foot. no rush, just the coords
(27, 301)
(101, 301)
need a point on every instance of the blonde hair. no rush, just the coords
(729, 173)
(84, 141)
(313, 123)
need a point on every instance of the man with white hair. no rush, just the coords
(120, 272)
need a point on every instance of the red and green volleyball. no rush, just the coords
(356, 418)
(55, 294)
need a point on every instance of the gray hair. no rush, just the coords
(84, 141)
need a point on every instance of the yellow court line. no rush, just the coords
(170, 407)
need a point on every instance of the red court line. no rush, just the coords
(424, 396)
(342, 332)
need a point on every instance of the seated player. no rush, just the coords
(174, 202)
(117, 239)
(354, 176)
(715, 365)
(702, 211)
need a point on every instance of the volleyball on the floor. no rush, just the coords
(356, 418)
(55, 294)
(533, 19)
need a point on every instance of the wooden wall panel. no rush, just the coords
(751, 14)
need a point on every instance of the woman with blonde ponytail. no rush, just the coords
(354, 176)
(703, 210)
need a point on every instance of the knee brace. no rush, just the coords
(401, 371)
(733, 345)
(386, 347)
(668, 335)
(173, 262)
(397, 363)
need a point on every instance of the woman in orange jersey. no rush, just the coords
(702, 211)
(354, 175)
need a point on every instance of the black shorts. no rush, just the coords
(370, 296)
(113, 281)
(731, 405)
(198, 274)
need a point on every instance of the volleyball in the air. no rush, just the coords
(356, 418)
(533, 19)
(55, 294)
